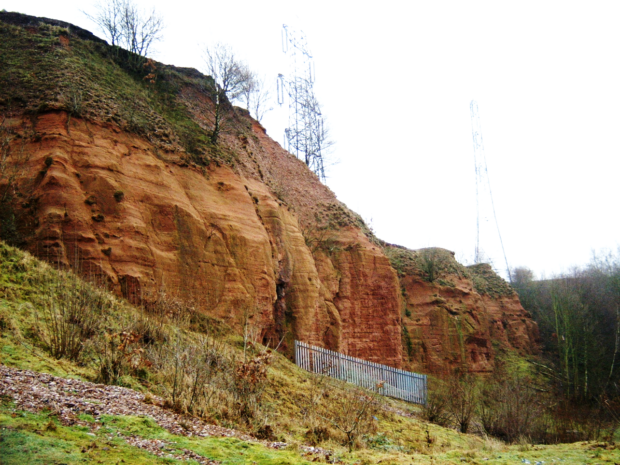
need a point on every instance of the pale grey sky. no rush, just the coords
(395, 79)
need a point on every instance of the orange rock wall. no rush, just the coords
(455, 327)
(111, 206)
(244, 229)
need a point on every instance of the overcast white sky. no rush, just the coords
(395, 79)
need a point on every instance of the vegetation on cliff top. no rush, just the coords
(437, 265)
(46, 68)
(487, 281)
(431, 264)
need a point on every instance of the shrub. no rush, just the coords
(249, 383)
(352, 412)
(429, 263)
(436, 408)
(75, 102)
(167, 308)
(71, 316)
(509, 406)
(192, 372)
(119, 354)
(463, 397)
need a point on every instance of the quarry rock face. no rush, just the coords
(123, 193)
(109, 207)
(106, 205)
(454, 327)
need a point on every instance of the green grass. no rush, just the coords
(39, 438)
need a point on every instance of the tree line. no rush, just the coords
(578, 314)
(569, 393)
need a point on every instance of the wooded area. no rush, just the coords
(578, 314)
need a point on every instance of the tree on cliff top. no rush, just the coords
(257, 97)
(126, 26)
(232, 80)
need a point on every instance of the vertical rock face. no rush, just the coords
(460, 321)
(118, 181)
(108, 206)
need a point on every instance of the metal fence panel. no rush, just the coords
(399, 384)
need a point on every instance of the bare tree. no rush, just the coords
(232, 78)
(257, 97)
(126, 26)
(140, 28)
(108, 18)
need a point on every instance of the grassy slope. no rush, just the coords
(26, 283)
(45, 69)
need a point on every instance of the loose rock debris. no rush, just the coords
(164, 449)
(33, 391)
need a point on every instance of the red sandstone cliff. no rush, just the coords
(244, 229)
(457, 317)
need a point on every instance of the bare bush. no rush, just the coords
(436, 408)
(509, 406)
(350, 410)
(170, 309)
(73, 101)
(308, 404)
(463, 395)
(192, 373)
(249, 383)
(119, 354)
(71, 317)
(151, 330)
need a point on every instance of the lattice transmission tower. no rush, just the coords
(485, 207)
(305, 135)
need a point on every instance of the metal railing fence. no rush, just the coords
(397, 383)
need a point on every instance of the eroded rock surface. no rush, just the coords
(118, 181)
(102, 201)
